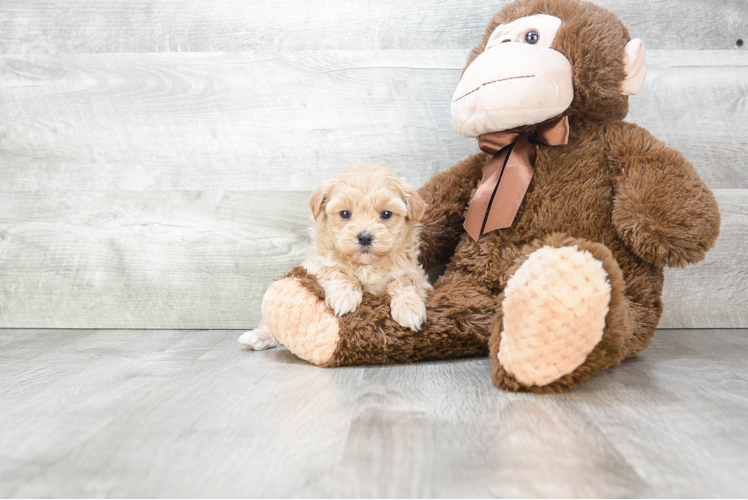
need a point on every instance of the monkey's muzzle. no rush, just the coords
(510, 85)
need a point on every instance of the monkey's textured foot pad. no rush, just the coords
(554, 312)
(301, 321)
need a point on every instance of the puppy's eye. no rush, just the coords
(532, 37)
(386, 214)
(345, 214)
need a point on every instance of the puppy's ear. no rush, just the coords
(415, 204)
(319, 198)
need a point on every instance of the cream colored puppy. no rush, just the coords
(366, 241)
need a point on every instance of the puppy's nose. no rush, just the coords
(365, 238)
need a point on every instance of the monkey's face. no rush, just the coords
(540, 59)
(517, 80)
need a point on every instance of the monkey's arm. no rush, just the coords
(662, 209)
(447, 195)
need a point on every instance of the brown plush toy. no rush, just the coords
(555, 238)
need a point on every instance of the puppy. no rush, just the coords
(366, 241)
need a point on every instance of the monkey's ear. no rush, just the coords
(319, 198)
(635, 65)
(416, 205)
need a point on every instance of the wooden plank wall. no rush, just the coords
(156, 156)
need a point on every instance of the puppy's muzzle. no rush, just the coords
(365, 238)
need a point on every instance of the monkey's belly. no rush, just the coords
(579, 214)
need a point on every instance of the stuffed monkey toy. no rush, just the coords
(554, 237)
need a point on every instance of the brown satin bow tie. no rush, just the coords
(508, 175)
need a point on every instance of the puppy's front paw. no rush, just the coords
(342, 297)
(408, 309)
(259, 339)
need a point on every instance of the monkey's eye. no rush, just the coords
(345, 214)
(386, 214)
(532, 37)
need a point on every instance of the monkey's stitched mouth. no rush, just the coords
(495, 81)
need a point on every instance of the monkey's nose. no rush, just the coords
(364, 238)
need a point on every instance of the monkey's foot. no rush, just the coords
(554, 316)
(301, 321)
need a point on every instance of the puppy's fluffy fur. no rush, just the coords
(366, 241)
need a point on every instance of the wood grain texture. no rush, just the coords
(41, 26)
(713, 293)
(280, 121)
(193, 414)
(202, 259)
(145, 260)
(155, 155)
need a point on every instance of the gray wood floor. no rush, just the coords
(91, 413)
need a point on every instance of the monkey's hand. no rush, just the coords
(662, 209)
